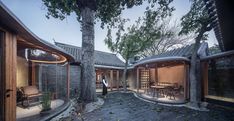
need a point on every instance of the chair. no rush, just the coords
(170, 92)
(145, 87)
(30, 92)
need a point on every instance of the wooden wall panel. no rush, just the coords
(117, 79)
(2, 89)
(138, 80)
(205, 67)
(10, 68)
(111, 79)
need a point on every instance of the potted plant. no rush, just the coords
(46, 102)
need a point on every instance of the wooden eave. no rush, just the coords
(25, 37)
(218, 56)
(221, 14)
(162, 62)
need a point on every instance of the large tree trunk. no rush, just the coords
(195, 81)
(88, 86)
(124, 76)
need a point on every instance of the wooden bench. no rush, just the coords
(30, 92)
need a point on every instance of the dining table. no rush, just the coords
(156, 89)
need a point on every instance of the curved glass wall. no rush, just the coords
(39, 83)
(162, 82)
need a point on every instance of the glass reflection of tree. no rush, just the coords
(36, 54)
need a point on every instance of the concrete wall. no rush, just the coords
(173, 74)
(22, 72)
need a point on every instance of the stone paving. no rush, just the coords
(126, 107)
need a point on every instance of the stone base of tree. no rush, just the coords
(201, 106)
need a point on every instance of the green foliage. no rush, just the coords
(106, 10)
(214, 49)
(195, 19)
(129, 44)
(46, 101)
(141, 35)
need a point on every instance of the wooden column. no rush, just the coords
(185, 81)
(68, 81)
(117, 78)
(8, 86)
(156, 74)
(187, 88)
(111, 79)
(32, 73)
(138, 80)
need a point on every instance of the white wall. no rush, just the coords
(22, 72)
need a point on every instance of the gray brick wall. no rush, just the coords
(53, 78)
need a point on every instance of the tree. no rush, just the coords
(87, 11)
(138, 37)
(127, 45)
(167, 39)
(196, 20)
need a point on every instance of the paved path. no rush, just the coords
(126, 107)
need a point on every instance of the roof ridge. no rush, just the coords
(80, 47)
(66, 44)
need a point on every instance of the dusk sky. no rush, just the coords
(32, 14)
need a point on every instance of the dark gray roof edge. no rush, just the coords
(80, 47)
(109, 66)
(162, 59)
(167, 52)
(218, 55)
(17, 20)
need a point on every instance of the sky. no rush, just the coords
(32, 14)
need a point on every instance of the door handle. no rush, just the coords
(7, 92)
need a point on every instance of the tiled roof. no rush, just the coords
(185, 51)
(101, 58)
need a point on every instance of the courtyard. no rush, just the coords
(126, 107)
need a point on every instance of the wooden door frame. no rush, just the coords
(8, 83)
(2, 89)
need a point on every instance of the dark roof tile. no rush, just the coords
(185, 51)
(101, 58)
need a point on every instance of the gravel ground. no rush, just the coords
(126, 107)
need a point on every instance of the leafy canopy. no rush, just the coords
(106, 10)
(128, 44)
(195, 19)
(138, 36)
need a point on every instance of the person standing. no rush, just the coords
(104, 85)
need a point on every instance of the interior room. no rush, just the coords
(40, 80)
(164, 82)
